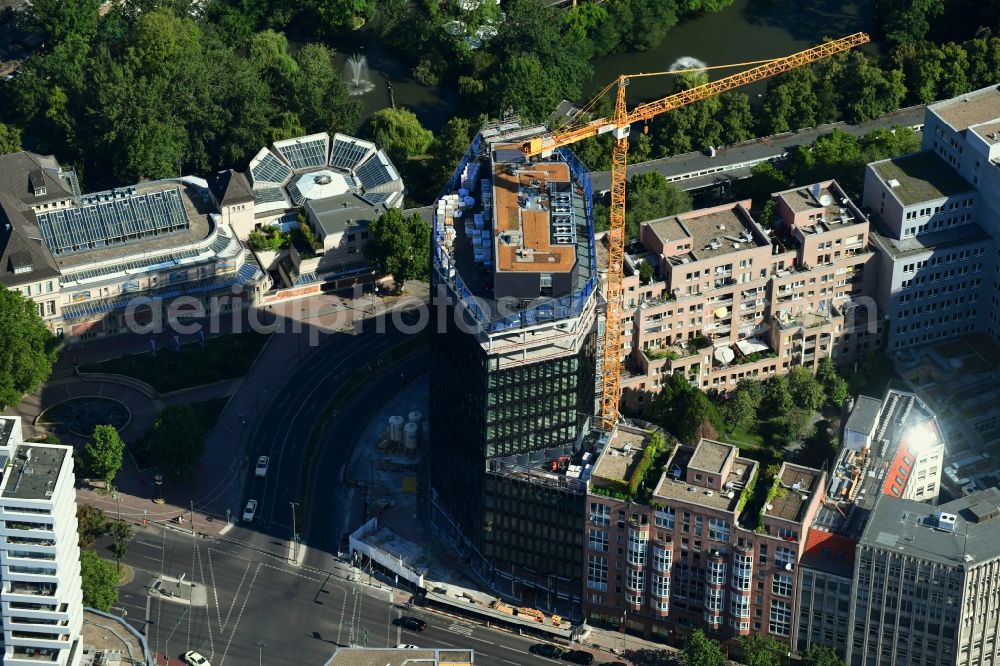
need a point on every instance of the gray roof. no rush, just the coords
(347, 211)
(230, 187)
(21, 246)
(34, 471)
(959, 235)
(17, 169)
(910, 528)
(864, 415)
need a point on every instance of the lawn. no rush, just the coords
(223, 357)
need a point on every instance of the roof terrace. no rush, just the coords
(795, 487)
(674, 486)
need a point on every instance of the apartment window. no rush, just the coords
(783, 556)
(661, 586)
(718, 530)
(780, 618)
(634, 580)
(599, 540)
(597, 573)
(600, 514)
(665, 517)
(782, 585)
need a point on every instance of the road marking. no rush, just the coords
(150, 557)
(143, 543)
(240, 615)
(456, 628)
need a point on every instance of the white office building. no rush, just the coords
(41, 600)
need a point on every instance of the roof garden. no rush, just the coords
(791, 492)
(920, 177)
(675, 487)
(630, 464)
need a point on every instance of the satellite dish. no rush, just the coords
(825, 200)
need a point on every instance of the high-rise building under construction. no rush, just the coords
(513, 366)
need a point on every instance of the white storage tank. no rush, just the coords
(415, 417)
(411, 433)
(396, 429)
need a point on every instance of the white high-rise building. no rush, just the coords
(41, 600)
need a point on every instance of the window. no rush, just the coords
(599, 540)
(661, 586)
(665, 518)
(634, 580)
(782, 585)
(637, 541)
(783, 556)
(600, 514)
(718, 530)
(780, 618)
(597, 573)
(662, 558)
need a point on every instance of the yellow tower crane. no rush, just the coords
(619, 125)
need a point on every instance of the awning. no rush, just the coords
(724, 355)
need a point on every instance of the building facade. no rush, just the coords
(730, 299)
(926, 583)
(97, 264)
(694, 556)
(41, 599)
(934, 257)
(512, 379)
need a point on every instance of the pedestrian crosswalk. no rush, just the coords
(463, 629)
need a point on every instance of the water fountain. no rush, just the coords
(356, 75)
(687, 62)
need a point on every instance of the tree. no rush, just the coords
(776, 401)
(819, 446)
(176, 441)
(27, 348)
(905, 21)
(680, 408)
(319, 94)
(870, 92)
(761, 650)
(765, 179)
(700, 650)
(790, 103)
(58, 19)
(449, 146)
(99, 581)
(806, 391)
(399, 245)
(91, 524)
(645, 272)
(833, 384)
(399, 133)
(821, 655)
(10, 139)
(121, 534)
(103, 453)
(651, 197)
(741, 408)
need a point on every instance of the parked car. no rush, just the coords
(250, 511)
(546, 650)
(614, 663)
(411, 623)
(579, 657)
(195, 659)
(261, 469)
(407, 646)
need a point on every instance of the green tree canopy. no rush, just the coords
(806, 391)
(649, 197)
(121, 535)
(761, 650)
(176, 441)
(399, 245)
(680, 408)
(59, 19)
(777, 400)
(399, 133)
(91, 524)
(449, 146)
(821, 655)
(833, 384)
(10, 139)
(700, 650)
(99, 581)
(103, 453)
(27, 348)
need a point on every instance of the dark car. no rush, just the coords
(614, 663)
(411, 623)
(579, 657)
(546, 650)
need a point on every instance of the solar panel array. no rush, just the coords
(376, 198)
(270, 169)
(268, 195)
(375, 172)
(304, 154)
(296, 194)
(113, 221)
(347, 154)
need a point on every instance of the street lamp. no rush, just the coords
(624, 629)
(260, 651)
(295, 535)
(158, 479)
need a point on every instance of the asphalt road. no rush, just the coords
(299, 614)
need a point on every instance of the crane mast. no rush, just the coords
(619, 125)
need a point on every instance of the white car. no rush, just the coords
(250, 511)
(195, 659)
(261, 470)
(406, 646)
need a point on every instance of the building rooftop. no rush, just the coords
(567, 468)
(826, 199)
(674, 487)
(797, 486)
(961, 234)
(620, 457)
(6, 430)
(401, 657)
(24, 173)
(531, 204)
(33, 472)
(969, 109)
(864, 415)
(23, 255)
(347, 211)
(921, 177)
(990, 132)
(968, 536)
(711, 456)
(712, 234)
